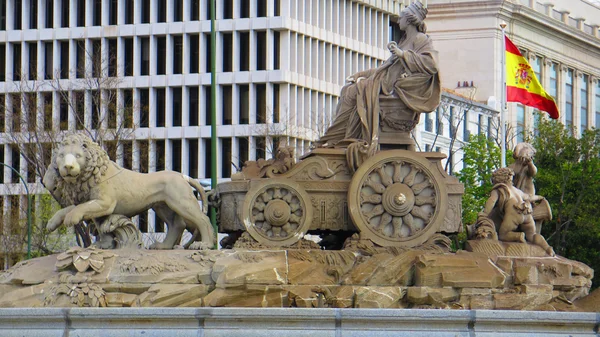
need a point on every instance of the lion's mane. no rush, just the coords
(97, 162)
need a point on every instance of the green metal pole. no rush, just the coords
(28, 209)
(213, 110)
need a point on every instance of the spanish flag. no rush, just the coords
(523, 86)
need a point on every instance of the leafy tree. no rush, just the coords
(481, 158)
(569, 177)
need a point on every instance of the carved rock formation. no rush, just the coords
(298, 278)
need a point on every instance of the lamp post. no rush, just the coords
(28, 209)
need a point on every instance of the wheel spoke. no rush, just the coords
(377, 187)
(421, 213)
(397, 172)
(418, 188)
(386, 180)
(374, 199)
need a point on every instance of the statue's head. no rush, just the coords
(524, 152)
(503, 176)
(77, 158)
(415, 15)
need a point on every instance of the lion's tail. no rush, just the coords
(203, 197)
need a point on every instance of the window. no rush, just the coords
(95, 100)
(16, 61)
(48, 62)
(243, 150)
(227, 9)
(64, 15)
(584, 101)
(129, 10)
(32, 71)
(96, 58)
(227, 52)
(226, 104)
(112, 57)
(440, 125)
(2, 122)
(63, 111)
(569, 99)
(195, 10)
(244, 8)
(111, 108)
(161, 51)
(144, 107)
(144, 148)
(145, 11)
(177, 54)
(176, 155)
(466, 132)
(261, 147)
(194, 53)
(207, 156)
(160, 155)
(15, 114)
(261, 8)
(489, 128)
(2, 62)
(145, 56)
(193, 157)
(162, 11)
(160, 107)
(536, 65)
(207, 106)
(18, 7)
(33, 14)
(193, 106)
(80, 59)
(244, 51)
(2, 27)
(553, 89)
(79, 100)
(177, 10)
(47, 110)
(244, 103)
(128, 61)
(49, 14)
(113, 9)
(597, 105)
(208, 48)
(428, 122)
(128, 108)
(261, 50)
(226, 155)
(80, 13)
(276, 50)
(64, 59)
(520, 123)
(97, 13)
(261, 104)
(127, 155)
(276, 103)
(177, 106)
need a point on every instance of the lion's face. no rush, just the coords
(71, 162)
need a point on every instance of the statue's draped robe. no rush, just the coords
(413, 78)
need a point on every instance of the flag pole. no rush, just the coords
(503, 101)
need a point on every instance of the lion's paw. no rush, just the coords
(200, 245)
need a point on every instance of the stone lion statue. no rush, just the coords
(82, 176)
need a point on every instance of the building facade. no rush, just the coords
(559, 37)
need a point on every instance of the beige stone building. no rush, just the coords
(559, 37)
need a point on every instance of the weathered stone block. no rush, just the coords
(459, 271)
(318, 267)
(429, 295)
(248, 296)
(379, 297)
(246, 267)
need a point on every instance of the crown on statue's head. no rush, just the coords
(417, 9)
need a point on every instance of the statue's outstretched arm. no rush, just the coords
(491, 202)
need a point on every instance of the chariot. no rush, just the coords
(397, 197)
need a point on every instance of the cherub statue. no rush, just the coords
(512, 209)
(525, 171)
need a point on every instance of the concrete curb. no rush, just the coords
(283, 322)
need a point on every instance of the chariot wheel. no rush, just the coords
(397, 198)
(277, 212)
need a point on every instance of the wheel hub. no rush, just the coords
(277, 212)
(398, 199)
